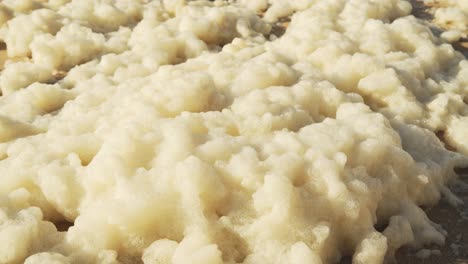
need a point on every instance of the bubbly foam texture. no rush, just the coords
(187, 132)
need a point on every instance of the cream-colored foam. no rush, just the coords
(184, 132)
(451, 15)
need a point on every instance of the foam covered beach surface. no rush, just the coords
(209, 132)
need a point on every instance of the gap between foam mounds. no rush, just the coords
(425, 12)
